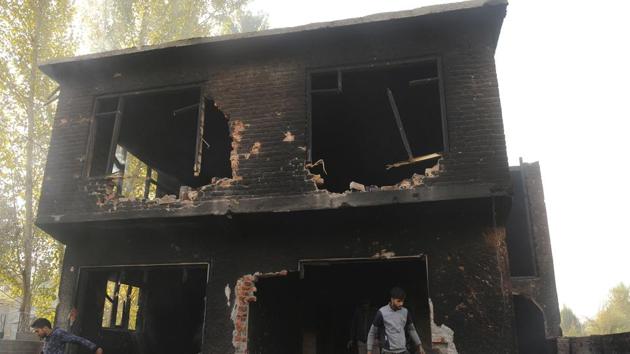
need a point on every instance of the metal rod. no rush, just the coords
(115, 133)
(201, 117)
(183, 109)
(401, 129)
(106, 113)
(51, 100)
(49, 97)
(112, 318)
(422, 81)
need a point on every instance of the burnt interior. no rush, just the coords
(518, 230)
(168, 315)
(530, 326)
(354, 128)
(314, 314)
(160, 131)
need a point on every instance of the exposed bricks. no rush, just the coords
(262, 92)
(237, 135)
(244, 291)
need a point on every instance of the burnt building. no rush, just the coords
(244, 193)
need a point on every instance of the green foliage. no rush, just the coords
(571, 325)
(30, 31)
(614, 316)
(134, 23)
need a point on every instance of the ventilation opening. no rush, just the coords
(364, 120)
(138, 310)
(157, 142)
(530, 327)
(317, 313)
(519, 234)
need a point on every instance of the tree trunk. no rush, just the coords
(27, 291)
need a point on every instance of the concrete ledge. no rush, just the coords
(320, 200)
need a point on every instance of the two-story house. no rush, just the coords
(246, 193)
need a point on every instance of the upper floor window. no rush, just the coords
(376, 125)
(155, 142)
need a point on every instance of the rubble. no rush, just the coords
(442, 337)
(357, 186)
(384, 254)
(288, 137)
(255, 150)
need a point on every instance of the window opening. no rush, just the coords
(303, 312)
(376, 125)
(156, 142)
(120, 307)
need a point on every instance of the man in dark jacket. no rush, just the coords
(55, 340)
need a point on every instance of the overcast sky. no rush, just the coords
(564, 71)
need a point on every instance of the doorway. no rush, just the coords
(142, 309)
(311, 311)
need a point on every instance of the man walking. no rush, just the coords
(391, 323)
(55, 340)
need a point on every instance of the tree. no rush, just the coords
(570, 324)
(614, 316)
(133, 23)
(30, 32)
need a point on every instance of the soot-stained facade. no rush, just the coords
(246, 193)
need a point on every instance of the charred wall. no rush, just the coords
(468, 277)
(540, 286)
(260, 86)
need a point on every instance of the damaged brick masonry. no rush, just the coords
(356, 155)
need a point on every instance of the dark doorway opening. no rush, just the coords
(142, 310)
(312, 312)
(363, 119)
(530, 326)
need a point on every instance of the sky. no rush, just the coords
(564, 71)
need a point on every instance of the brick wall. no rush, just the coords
(541, 288)
(260, 84)
(468, 278)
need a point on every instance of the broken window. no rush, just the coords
(143, 309)
(376, 125)
(120, 308)
(158, 141)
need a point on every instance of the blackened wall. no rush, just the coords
(468, 273)
(541, 288)
(260, 84)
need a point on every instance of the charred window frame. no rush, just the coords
(121, 307)
(88, 294)
(112, 113)
(330, 81)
